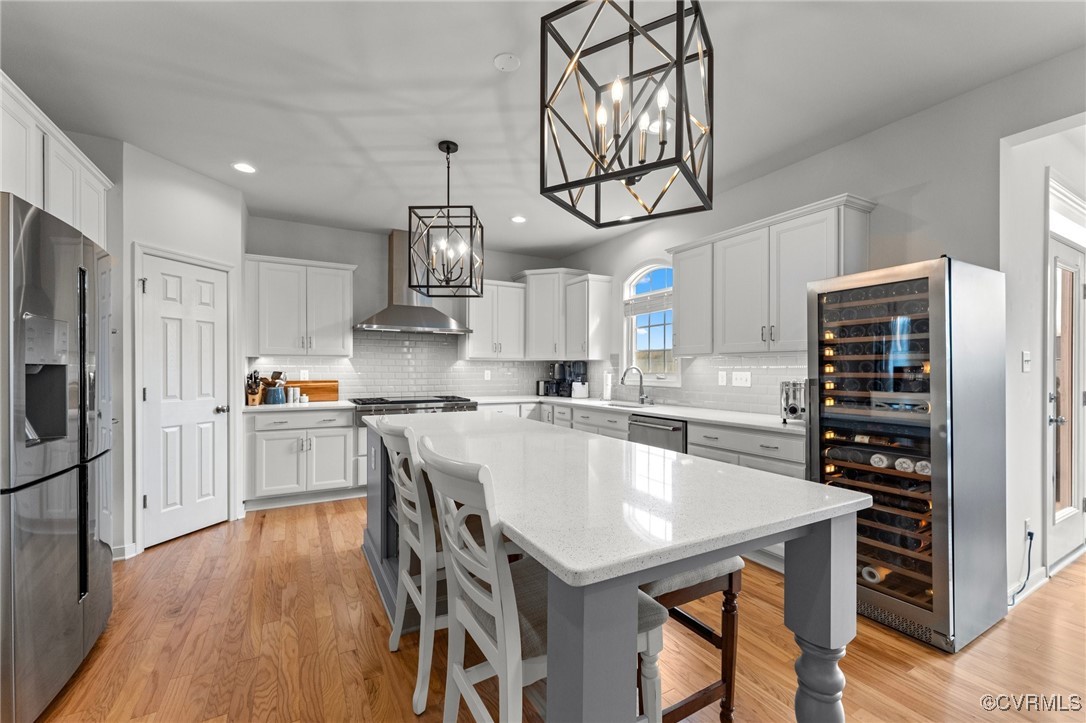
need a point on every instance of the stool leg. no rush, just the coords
(729, 646)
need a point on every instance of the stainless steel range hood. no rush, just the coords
(407, 310)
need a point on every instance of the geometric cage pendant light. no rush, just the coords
(626, 110)
(445, 249)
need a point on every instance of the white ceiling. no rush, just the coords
(340, 105)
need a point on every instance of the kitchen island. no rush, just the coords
(605, 516)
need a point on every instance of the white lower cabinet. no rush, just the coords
(546, 413)
(563, 416)
(296, 452)
(512, 410)
(607, 423)
(532, 411)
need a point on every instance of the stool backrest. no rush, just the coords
(480, 583)
(413, 498)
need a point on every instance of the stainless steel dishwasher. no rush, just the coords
(658, 432)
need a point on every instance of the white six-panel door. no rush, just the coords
(184, 440)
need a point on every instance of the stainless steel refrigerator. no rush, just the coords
(907, 384)
(55, 559)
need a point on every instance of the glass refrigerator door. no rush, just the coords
(874, 406)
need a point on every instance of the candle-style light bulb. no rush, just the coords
(601, 121)
(663, 98)
(643, 126)
(616, 101)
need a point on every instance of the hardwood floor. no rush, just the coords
(276, 617)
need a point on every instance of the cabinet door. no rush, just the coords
(741, 292)
(281, 304)
(510, 322)
(328, 311)
(279, 463)
(543, 311)
(693, 301)
(801, 250)
(21, 142)
(577, 319)
(585, 428)
(482, 343)
(61, 183)
(92, 208)
(329, 458)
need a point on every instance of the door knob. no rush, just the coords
(1058, 421)
(222, 409)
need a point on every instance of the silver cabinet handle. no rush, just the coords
(303, 342)
(282, 421)
(328, 420)
(763, 332)
(310, 342)
(772, 329)
(301, 444)
(499, 347)
(613, 421)
(556, 346)
(494, 346)
(706, 436)
(309, 444)
(584, 416)
(768, 446)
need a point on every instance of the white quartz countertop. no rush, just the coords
(309, 406)
(591, 508)
(765, 422)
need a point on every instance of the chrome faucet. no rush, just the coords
(642, 398)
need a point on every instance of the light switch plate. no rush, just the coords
(486, 375)
(1027, 362)
(722, 378)
(741, 379)
(303, 375)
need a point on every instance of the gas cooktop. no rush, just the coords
(367, 406)
(432, 399)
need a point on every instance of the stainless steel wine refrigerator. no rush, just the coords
(907, 375)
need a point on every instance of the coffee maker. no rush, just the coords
(793, 401)
(578, 379)
(562, 382)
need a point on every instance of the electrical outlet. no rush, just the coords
(486, 375)
(741, 379)
(1027, 362)
(1029, 526)
(303, 375)
(722, 378)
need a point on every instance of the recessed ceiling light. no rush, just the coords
(518, 219)
(244, 167)
(506, 62)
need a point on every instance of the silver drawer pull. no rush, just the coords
(612, 421)
(706, 436)
(664, 427)
(768, 446)
(280, 422)
(584, 416)
(328, 420)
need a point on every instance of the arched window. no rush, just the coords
(648, 294)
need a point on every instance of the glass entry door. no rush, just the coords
(1064, 486)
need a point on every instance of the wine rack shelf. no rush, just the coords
(923, 555)
(875, 320)
(893, 396)
(844, 482)
(899, 511)
(893, 472)
(911, 596)
(904, 298)
(910, 355)
(897, 570)
(913, 418)
(851, 339)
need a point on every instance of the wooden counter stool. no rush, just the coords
(503, 605)
(724, 577)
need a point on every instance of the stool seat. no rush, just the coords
(690, 578)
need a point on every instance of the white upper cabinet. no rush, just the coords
(588, 301)
(760, 274)
(545, 312)
(801, 250)
(300, 308)
(41, 165)
(329, 305)
(496, 320)
(692, 302)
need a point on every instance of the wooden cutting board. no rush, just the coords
(319, 391)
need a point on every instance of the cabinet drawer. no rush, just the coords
(777, 466)
(602, 419)
(304, 420)
(511, 410)
(720, 455)
(777, 446)
(563, 414)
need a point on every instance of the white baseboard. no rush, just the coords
(1038, 578)
(1066, 560)
(124, 552)
(271, 503)
(766, 559)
